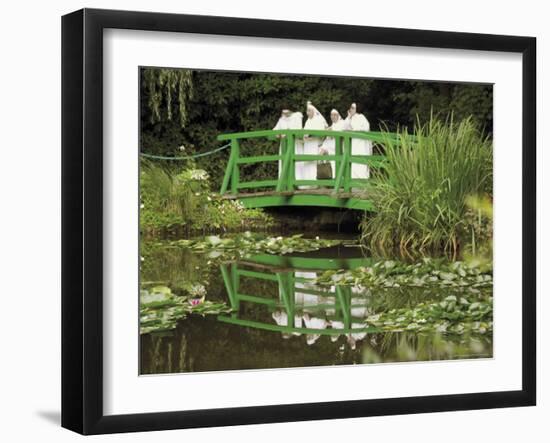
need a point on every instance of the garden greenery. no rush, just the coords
(216, 103)
(421, 195)
(250, 243)
(182, 198)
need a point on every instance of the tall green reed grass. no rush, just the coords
(421, 195)
(165, 192)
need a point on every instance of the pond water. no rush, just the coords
(268, 310)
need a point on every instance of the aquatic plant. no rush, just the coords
(160, 308)
(427, 273)
(453, 315)
(241, 245)
(420, 195)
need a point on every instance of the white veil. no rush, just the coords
(317, 114)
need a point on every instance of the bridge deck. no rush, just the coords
(303, 197)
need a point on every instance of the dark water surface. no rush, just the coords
(280, 319)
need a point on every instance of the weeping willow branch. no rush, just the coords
(169, 91)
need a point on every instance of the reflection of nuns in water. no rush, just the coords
(308, 301)
(281, 318)
(314, 323)
(352, 338)
(358, 310)
(311, 319)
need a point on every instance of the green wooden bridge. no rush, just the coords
(339, 192)
(282, 271)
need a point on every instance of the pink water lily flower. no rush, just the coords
(196, 301)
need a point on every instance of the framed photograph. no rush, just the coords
(270, 221)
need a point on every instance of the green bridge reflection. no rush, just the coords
(297, 306)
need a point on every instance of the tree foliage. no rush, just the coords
(167, 92)
(209, 103)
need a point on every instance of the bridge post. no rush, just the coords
(235, 166)
(282, 181)
(342, 170)
(338, 153)
(291, 151)
(347, 170)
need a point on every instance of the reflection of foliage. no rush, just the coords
(411, 346)
(184, 199)
(160, 309)
(242, 245)
(420, 196)
(440, 321)
(179, 269)
(424, 274)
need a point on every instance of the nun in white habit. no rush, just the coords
(358, 122)
(311, 143)
(290, 120)
(329, 145)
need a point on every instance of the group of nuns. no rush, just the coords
(311, 145)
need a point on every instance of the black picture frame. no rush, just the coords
(82, 220)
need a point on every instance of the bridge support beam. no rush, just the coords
(305, 200)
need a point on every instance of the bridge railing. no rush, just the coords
(334, 304)
(286, 180)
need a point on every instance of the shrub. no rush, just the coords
(183, 198)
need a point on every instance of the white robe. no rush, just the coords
(293, 121)
(311, 147)
(358, 122)
(330, 143)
